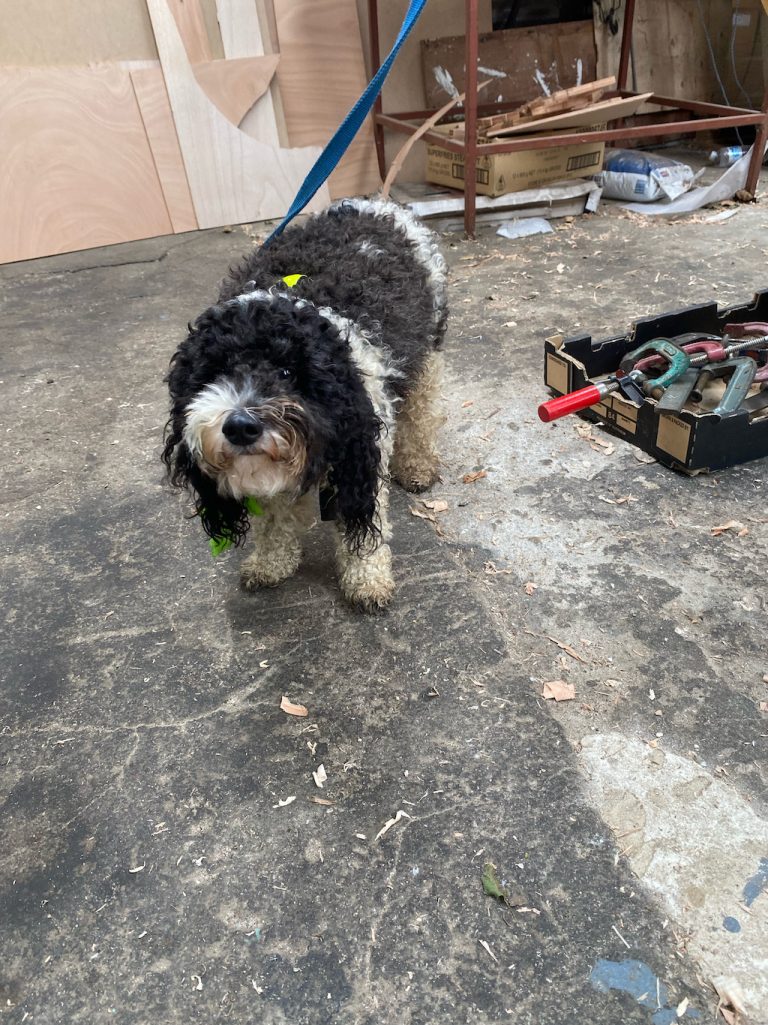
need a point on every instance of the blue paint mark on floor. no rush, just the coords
(731, 924)
(755, 886)
(637, 979)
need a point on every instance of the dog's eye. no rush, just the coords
(284, 374)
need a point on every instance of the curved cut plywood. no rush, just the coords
(233, 178)
(235, 85)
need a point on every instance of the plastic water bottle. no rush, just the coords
(727, 155)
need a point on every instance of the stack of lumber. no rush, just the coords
(581, 106)
(128, 149)
(559, 102)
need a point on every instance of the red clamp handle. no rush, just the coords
(571, 403)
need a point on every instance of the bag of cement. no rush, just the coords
(643, 177)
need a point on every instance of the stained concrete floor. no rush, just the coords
(152, 869)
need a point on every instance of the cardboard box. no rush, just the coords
(688, 441)
(513, 172)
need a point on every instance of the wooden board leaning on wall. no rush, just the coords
(315, 62)
(524, 62)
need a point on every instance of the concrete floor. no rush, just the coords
(152, 868)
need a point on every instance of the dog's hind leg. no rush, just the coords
(277, 537)
(415, 461)
(366, 577)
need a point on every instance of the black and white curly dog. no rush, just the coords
(325, 380)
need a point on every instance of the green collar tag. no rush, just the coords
(291, 280)
(221, 544)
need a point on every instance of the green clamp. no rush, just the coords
(743, 372)
(679, 361)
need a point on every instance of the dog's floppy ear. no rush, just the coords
(352, 449)
(222, 518)
(355, 470)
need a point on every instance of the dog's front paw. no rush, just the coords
(367, 582)
(370, 599)
(421, 482)
(416, 475)
(266, 569)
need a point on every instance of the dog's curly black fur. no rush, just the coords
(370, 304)
(385, 289)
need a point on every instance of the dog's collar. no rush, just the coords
(291, 280)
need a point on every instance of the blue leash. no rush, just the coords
(349, 127)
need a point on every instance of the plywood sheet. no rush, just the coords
(524, 62)
(241, 33)
(321, 75)
(188, 15)
(77, 169)
(149, 86)
(404, 89)
(242, 36)
(232, 177)
(75, 33)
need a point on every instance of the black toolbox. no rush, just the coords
(689, 441)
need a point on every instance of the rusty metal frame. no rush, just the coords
(711, 116)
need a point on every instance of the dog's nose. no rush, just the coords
(241, 428)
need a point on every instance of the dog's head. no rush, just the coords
(266, 400)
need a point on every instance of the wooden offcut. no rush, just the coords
(544, 106)
(241, 34)
(571, 99)
(235, 85)
(77, 168)
(188, 15)
(595, 114)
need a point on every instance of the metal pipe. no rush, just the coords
(761, 137)
(470, 120)
(378, 129)
(626, 43)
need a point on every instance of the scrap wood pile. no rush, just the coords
(564, 101)
(581, 106)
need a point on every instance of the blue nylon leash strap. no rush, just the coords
(350, 126)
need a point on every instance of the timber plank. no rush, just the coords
(149, 86)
